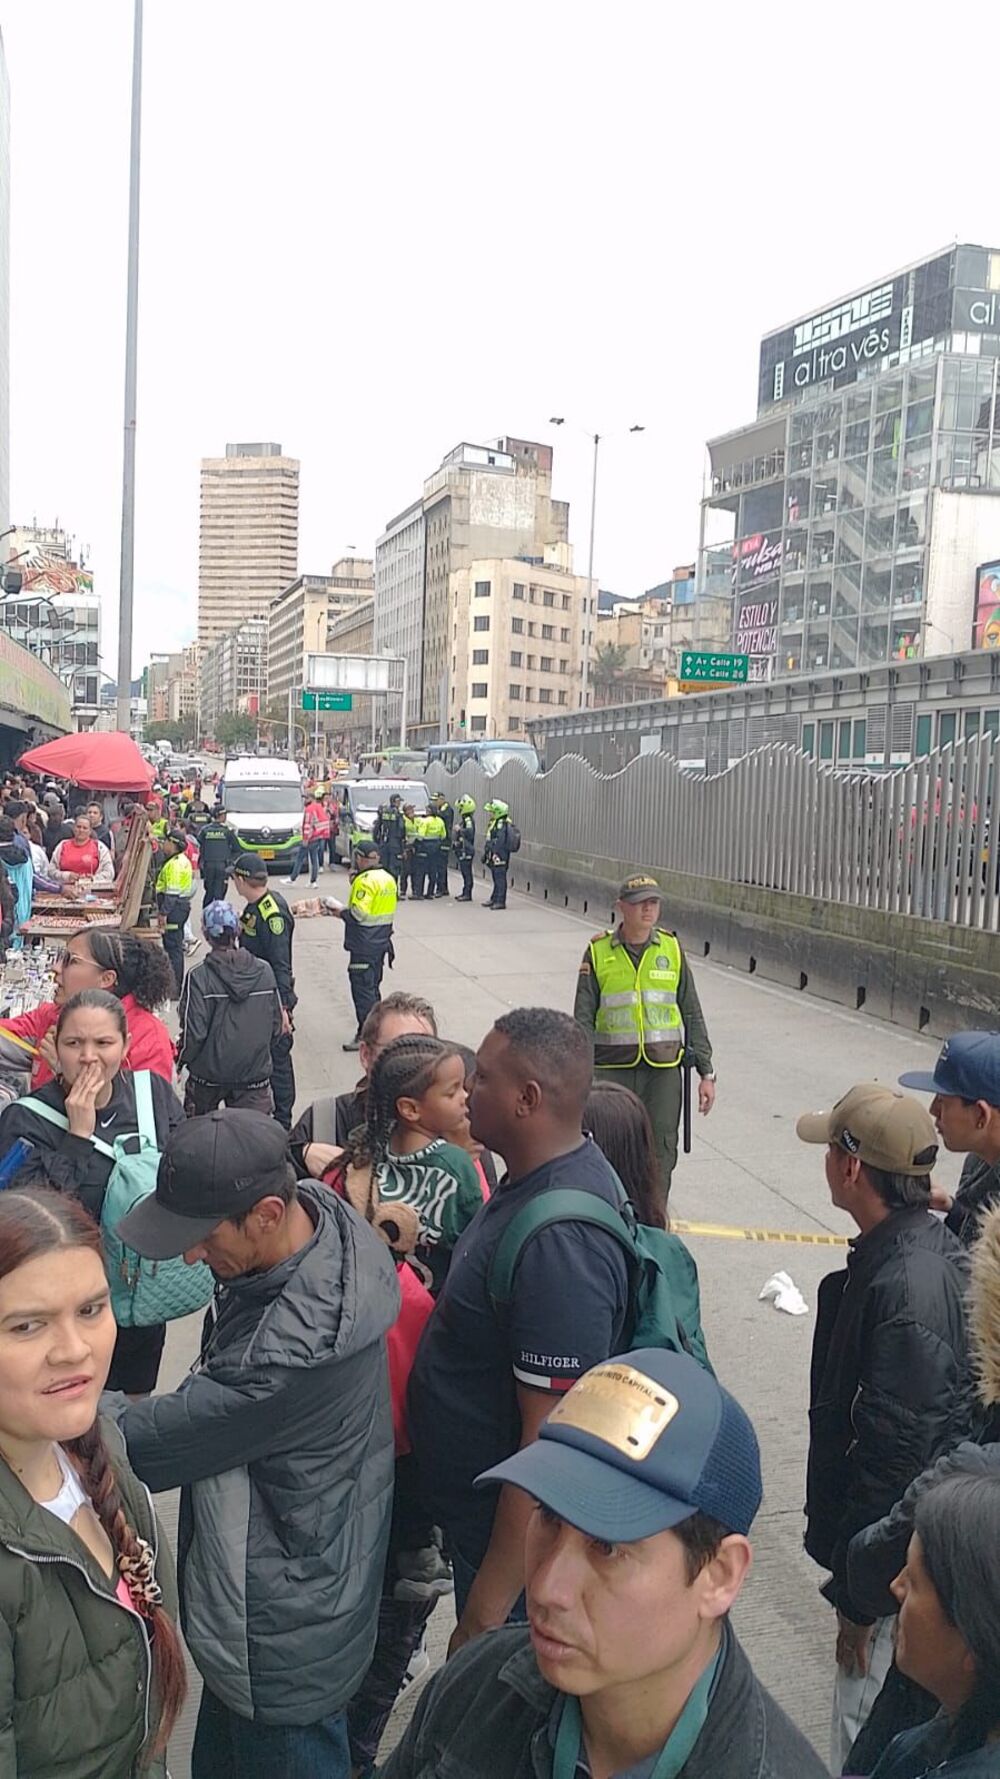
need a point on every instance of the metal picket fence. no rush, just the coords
(920, 840)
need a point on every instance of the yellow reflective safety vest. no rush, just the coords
(638, 1019)
(176, 877)
(432, 827)
(372, 901)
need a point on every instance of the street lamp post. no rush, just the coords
(126, 580)
(560, 420)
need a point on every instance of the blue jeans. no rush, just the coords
(313, 851)
(231, 1747)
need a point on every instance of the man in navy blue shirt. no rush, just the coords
(484, 1381)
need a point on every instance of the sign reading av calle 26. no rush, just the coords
(724, 669)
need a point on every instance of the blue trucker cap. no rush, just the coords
(639, 1444)
(969, 1066)
(219, 918)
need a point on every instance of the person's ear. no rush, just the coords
(529, 1098)
(719, 1583)
(408, 1109)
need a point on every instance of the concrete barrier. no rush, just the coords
(926, 975)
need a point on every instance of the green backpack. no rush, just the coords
(142, 1291)
(664, 1302)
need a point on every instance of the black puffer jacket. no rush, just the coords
(891, 1383)
(229, 1012)
(281, 1443)
(877, 1554)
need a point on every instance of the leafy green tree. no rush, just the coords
(235, 728)
(609, 663)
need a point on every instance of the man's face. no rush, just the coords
(610, 1615)
(841, 1175)
(496, 1093)
(639, 918)
(95, 813)
(234, 1249)
(394, 1025)
(959, 1122)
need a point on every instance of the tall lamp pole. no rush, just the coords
(131, 338)
(589, 618)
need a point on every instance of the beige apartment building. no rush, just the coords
(233, 674)
(516, 642)
(248, 537)
(299, 619)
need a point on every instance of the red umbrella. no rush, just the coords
(95, 761)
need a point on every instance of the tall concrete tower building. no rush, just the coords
(249, 535)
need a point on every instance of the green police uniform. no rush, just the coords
(174, 889)
(640, 1005)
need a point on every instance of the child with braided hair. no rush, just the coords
(416, 1118)
(86, 1583)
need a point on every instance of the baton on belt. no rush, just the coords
(686, 1105)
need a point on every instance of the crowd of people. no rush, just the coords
(420, 1378)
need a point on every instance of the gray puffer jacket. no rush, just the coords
(281, 1441)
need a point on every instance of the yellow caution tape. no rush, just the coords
(758, 1235)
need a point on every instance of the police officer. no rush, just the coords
(267, 928)
(432, 842)
(464, 834)
(637, 997)
(174, 889)
(390, 836)
(367, 922)
(441, 806)
(406, 865)
(496, 853)
(218, 848)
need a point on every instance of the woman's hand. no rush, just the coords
(47, 1050)
(81, 1100)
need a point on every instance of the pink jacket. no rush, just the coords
(315, 823)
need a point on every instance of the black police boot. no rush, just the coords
(353, 1044)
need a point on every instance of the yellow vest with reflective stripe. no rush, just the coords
(373, 898)
(638, 1019)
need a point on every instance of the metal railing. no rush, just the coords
(920, 841)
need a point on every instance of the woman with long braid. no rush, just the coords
(91, 1670)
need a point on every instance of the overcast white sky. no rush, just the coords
(370, 231)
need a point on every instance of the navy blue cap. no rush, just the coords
(639, 1444)
(969, 1066)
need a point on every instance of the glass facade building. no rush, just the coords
(859, 505)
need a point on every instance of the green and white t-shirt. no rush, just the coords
(440, 1183)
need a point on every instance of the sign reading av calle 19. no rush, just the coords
(723, 669)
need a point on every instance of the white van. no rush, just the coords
(263, 800)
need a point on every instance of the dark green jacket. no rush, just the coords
(75, 1693)
(697, 1047)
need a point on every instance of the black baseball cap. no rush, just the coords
(366, 848)
(968, 1067)
(212, 1168)
(639, 1444)
(249, 864)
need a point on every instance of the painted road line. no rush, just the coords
(758, 1235)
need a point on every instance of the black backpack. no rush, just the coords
(513, 836)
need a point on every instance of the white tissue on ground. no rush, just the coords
(784, 1294)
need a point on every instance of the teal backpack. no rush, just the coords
(142, 1291)
(664, 1302)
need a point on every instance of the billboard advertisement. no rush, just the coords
(838, 343)
(756, 566)
(986, 623)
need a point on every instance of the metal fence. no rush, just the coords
(917, 841)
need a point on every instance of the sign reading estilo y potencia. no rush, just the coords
(756, 565)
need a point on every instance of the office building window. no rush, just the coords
(548, 632)
(514, 693)
(518, 589)
(513, 724)
(548, 598)
(481, 621)
(529, 693)
(564, 636)
(563, 697)
(516, 658)
(517, 625)
(482, 590)
(478, 725)
(564, 603)
(547, 664)
(532, 629)
(531, 663)
(479, 689)
(544, 695)
(480, 657)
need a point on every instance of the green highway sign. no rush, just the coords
(723, 669)
(327, 700)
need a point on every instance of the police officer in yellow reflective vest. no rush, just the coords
(636, 996)
(174, 889)
(367, 922)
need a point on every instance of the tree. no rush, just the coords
(609, 663)
(179, 733)
(235, 728)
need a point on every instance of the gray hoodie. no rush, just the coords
(281, 1441)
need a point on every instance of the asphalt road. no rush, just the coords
(777, 1054)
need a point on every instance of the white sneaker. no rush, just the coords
(418, 1665)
